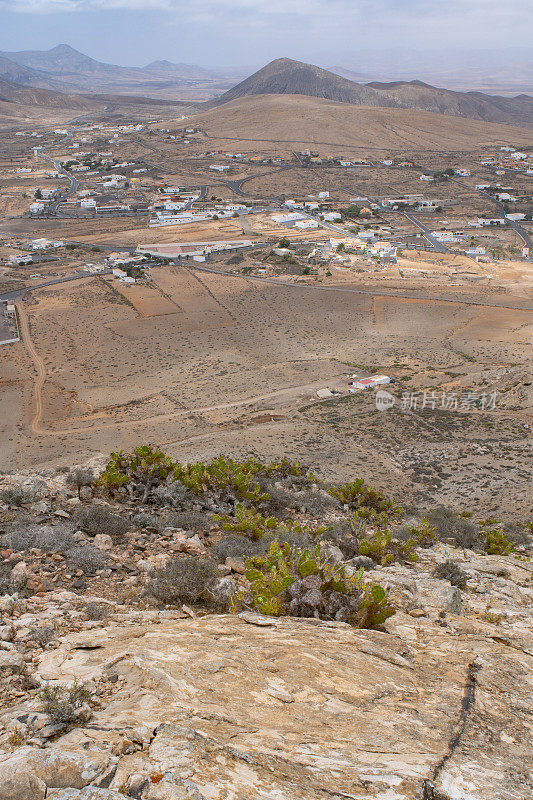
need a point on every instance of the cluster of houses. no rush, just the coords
(364, 243)
(169, 216)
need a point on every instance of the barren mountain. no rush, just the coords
(65, 69)
(166, 69)
(307, 120)
(476, 105)
(284, 76)
(65, 61)
(11, 92)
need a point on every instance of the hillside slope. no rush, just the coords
(285, 76)
(307, 120)
(11, 92)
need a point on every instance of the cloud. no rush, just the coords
(413, 12)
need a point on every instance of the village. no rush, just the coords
(154, 233)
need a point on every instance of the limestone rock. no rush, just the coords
(302, 709)
(103, 541)
(88, 793)
(18, 782)
(11, 661)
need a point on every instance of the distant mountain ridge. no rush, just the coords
(285, 76)
(64, 69)
(11, 92)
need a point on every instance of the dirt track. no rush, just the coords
(39, 368)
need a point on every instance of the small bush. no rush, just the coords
(254, 525)
(5, 577)
(238, 547)
(17, 497)
(383, 548)
(172, 494)
(94, 519)
(78, 477)
(192, 520)
(358, 495)
(42, 635)
(185, 580)
(97, 611)
(462, 532)
(49, 539)
(87, 558)
(305, 583)
(497, 543)
(62, 704)
(451, 571)
(345, 534)
(144, 520)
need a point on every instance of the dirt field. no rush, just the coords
(203, 362)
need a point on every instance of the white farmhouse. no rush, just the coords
(306, 223)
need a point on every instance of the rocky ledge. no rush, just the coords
(436, 705)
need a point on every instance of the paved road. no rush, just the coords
(19, 293)
(426, 233)
(52, 208)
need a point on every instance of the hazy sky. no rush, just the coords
(362, 34)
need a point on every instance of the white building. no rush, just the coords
(219, 167)
(444, 236)
(20, 259)
(428, 178)
(333, 216)
(370, 383)
(293, 216)
(507, 197)
(36, 208)
(464, 173)
(306, 223)
(88, 202)
(119, 273)
(127, 279)
(475, 251)
(481, 222)
(515, 217)
(482, 186)
(323, 195)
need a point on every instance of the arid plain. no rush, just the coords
(219, 357)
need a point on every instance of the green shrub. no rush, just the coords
(254, 525)
(63, 704)
(306, 583)
(383, 548)
(147, 468)
(368, 503)
(497, 543)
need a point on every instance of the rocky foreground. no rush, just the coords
(173, 701)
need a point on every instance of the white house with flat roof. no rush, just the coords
(306, 223)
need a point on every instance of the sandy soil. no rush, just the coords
(209, 375)
(308, 120)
